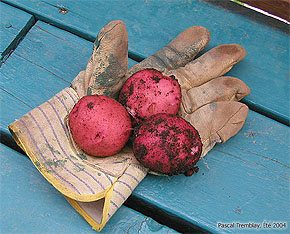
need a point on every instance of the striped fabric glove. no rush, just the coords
(95, 187)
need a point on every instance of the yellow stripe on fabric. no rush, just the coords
(21, 141)
(95, 225)
(89, 219)
(107, 205)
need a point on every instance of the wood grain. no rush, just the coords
(279, 8)
(14, 25)
(265, 69)
(244, 180)
(31, 205)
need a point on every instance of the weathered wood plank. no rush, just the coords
(31, 205)
(14, 24)
(152, 24)
(245, 180)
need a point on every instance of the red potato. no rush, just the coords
(167, 144)
(99, 125)
(149, 92)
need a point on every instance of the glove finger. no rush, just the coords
(178, 52)
(217, 122)
(223, 88)
(77, 83)
(212, 64)
(108, 65)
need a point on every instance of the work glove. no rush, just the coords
(97, 187)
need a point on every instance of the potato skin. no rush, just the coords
(99, 125)
(167, 144)
(149, 92)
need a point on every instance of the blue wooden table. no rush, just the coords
(44, 44)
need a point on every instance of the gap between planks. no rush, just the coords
(134, 56)
(19, 37)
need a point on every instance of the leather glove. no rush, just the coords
(209, 99)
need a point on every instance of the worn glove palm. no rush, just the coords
(209, 100)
